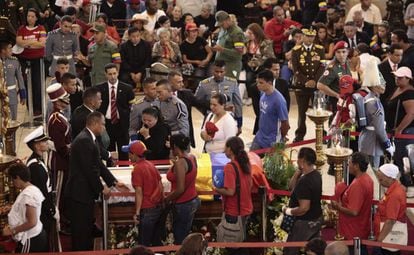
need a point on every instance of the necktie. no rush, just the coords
(352, 43)
(394, 68)
(114, 109)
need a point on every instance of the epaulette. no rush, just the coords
(54, 117)
(134, 101)
(207, 80)
(139, 100)
(230, 79)
(318, 46)
(13, 58)
(54, 31)
(297, 47)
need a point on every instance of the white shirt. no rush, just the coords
(364, 58)
(108, 111)
(152, 20)
(227, 127)
(372, 15)
(92, 134)
(31, 196)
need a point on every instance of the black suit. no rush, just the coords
(117, 132)
(386, 71)
(189, 100)
(361, 37)
(83, 187)
(368, 28)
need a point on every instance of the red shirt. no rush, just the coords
(274, 30)
(32, 35)
(392, 206)
(190, 179)
(357, 197)
(147, 177)
(230, 202)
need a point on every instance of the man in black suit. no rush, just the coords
(84, 184)
(177, 85)
(387, 67)
(352, 36)
(116, 104)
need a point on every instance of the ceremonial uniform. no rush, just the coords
(175, 115)
(227, 86)
(99, 55)
(13, 10)
(373, 136)
(135, 117)
(61, 45)
(14, 81)
(232, 40)
(307, 65)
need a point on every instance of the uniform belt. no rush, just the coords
(57, 57)
(371, 128)
(12, 87)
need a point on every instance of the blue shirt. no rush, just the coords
(273, 110)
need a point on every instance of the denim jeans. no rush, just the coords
(148, 226)
(183, 218)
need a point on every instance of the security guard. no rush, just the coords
(13, 10)
(101, 53)
(373, 139)
(230, 44)
(40, 175)
(62, 43)
(13, 77)
(307, 69)
(148, 100)
(329, 81)
(221, 84)
(173, 110)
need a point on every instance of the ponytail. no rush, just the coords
(244, 161)
(236, 145)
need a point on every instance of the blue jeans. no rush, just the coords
(148, 225)
(183, 218)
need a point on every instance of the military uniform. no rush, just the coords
(232, 40)
(135, 116)
(175, 115)
(14, 81)
(229, 87)
(13, 10)
(307, 65)
(373, 136)
(61, 45)
(99, 56)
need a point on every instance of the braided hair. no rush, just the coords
(236, 145)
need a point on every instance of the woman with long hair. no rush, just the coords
(32, 37)
(323, 39)
(237, 171)
(219, 125)
(183, 196)
(154, 133)
(193, 244)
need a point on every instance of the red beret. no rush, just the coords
(340, 45)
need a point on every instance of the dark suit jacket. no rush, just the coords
(123, 97)
(84, 183)
(189, 100)
(283, 87)
(369, 29)
(361, 37)
(386, 71)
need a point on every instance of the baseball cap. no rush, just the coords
(389, 170)
(191, 26)
(403, 72)
(136, 147)
(220, 17)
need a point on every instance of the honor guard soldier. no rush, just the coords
(13, 10)
(307, 68)
(224, 85)
(62, 43)
(329, 81)
(37, 141)
(102, 52)
(58, 129)
(148, 100)
(173, 110)
(13, 77)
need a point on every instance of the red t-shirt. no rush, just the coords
(146, 176)
(392, 206)
(32, 35)
(190, 191)
(358, 198)
(230, 202)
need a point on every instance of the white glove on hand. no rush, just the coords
(391, 149)
(406, 164)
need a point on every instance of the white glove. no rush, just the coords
(352, 111)
(57, 218)
(406, 164)
(340, 102)
(391, 149)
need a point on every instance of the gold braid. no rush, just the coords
(5, 107)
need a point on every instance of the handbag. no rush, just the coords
(398, 235)
(287, 223)
(231, 229)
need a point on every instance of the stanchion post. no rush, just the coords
(43, 90)
(105, 217)
(263, 195)
(357, 246)
(30, 123)
(371, 223)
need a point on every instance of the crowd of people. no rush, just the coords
(125, 80)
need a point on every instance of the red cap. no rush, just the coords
(191, 26)
(346, 84)
(340, 45)
(136, 147)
